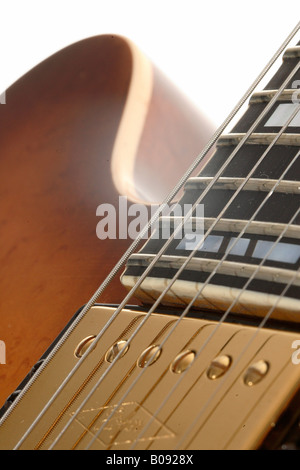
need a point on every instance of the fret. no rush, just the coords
(290, 60)
(277, 117)
(241, 240)
(267, 95)
(238, 225)
(272, 166)
(207, 265)
(291, 53)
(233, 247)
(246, 203)
(259, 138)
(225, 290)
(253, 184)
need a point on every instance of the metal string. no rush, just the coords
(225, 315)
(157, 302)
(127, 254)
(265, 111)
(259, 328)
(219, 263)
(170, 284)
(187, 309)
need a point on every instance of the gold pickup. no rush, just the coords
(196, 384)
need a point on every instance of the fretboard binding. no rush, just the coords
(207, 265)
(253, 184)
(267, 95)
(259, 139)
(291, 53)
(238, 225)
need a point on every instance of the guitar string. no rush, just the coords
(158, 301)
(153, 416)
(93, 300)
(162, 295)
(111, 276)
(221, 261)
(259, 328)
(140, 326)
(136, 243)
(229, 309)
(217, 327)
(185, 312)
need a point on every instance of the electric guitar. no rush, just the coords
(187, 336)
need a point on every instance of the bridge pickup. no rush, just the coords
(237, 406)
(259, 139)
(253, 184)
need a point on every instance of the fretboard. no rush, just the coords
(248, 256)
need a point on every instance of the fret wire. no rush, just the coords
(226, 314)
(218, 326)
(133, 247)
(259, 328)
(146, 272)
(187, 309)
(148, 269)
(179, 320)
(157, 302)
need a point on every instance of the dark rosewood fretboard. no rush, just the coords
(271, 193)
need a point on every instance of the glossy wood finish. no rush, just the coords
(57, 133)
(165, 147)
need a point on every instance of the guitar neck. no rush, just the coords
(218, 379)
(249, 192)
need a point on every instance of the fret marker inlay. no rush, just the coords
(282, 114)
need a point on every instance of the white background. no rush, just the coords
(212, 50)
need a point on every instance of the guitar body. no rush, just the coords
(91, 123)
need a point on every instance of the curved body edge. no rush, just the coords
(74, 135)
